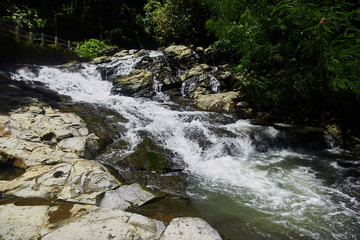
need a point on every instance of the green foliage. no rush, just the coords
(93, 48)
(25, 17)
(169, 18)
(176, 21)
(291, 53)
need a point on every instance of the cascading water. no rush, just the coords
(243, 190)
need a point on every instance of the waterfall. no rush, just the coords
(258, 189)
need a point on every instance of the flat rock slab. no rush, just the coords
(87, 181)
(126, 196)
(21, 222)
(42, 181)
(109, 224)
(189, 228)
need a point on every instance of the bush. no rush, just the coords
(93, 48)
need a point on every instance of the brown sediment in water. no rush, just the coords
(61, 213)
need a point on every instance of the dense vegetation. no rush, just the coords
(299, 58)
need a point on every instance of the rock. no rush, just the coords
(38, 181)
(190, 228)
(126, 196)
(218, 102)
(167, 208)
(84, 147)
(60, 213)
(180, 51)
(109, 224)
(195, 71)
(87, 181)
(101, 121)
(138, 83)
(21, 222)
(102, 59)
(122, 53)
(147, 160)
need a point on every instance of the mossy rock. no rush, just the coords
(167, 209)
(147, 160)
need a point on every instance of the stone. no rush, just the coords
(38, 181)
(180, 51)
(217, 102)
(84, 147)
(60, 213)
(138, 80)
(71, 119)
(102, 59)
(195, 71)
(189, 228)
(109, 224)
(21, 222)
(87, 181)
(126, 196)
(147, 160)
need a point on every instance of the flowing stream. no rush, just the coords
(244, 179)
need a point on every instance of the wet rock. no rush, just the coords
(139, 83)
(190, 228)
(21, 222)
(166, 209)
(60, 213)
(87, 181)
(172, 184)
(147, 160)
(195, 71)
(102, 59)
(108, 224)
(126, 196)
(101, 121)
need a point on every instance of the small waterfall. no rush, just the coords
(159, 95)
(214, 83)
(275, 192)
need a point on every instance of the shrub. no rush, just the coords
(93, 48)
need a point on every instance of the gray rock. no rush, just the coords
(87, 181)
(189, 228)
(38, 181)
(109, 224)
(83, 146)
(126, 196)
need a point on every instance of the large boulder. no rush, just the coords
(87, 182)
(217, 102)
(138, 83)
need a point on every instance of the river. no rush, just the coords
(243, 178)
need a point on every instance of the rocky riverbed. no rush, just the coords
(60, 192)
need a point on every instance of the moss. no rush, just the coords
(147, 160)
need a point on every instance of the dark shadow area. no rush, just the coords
(16, 94)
